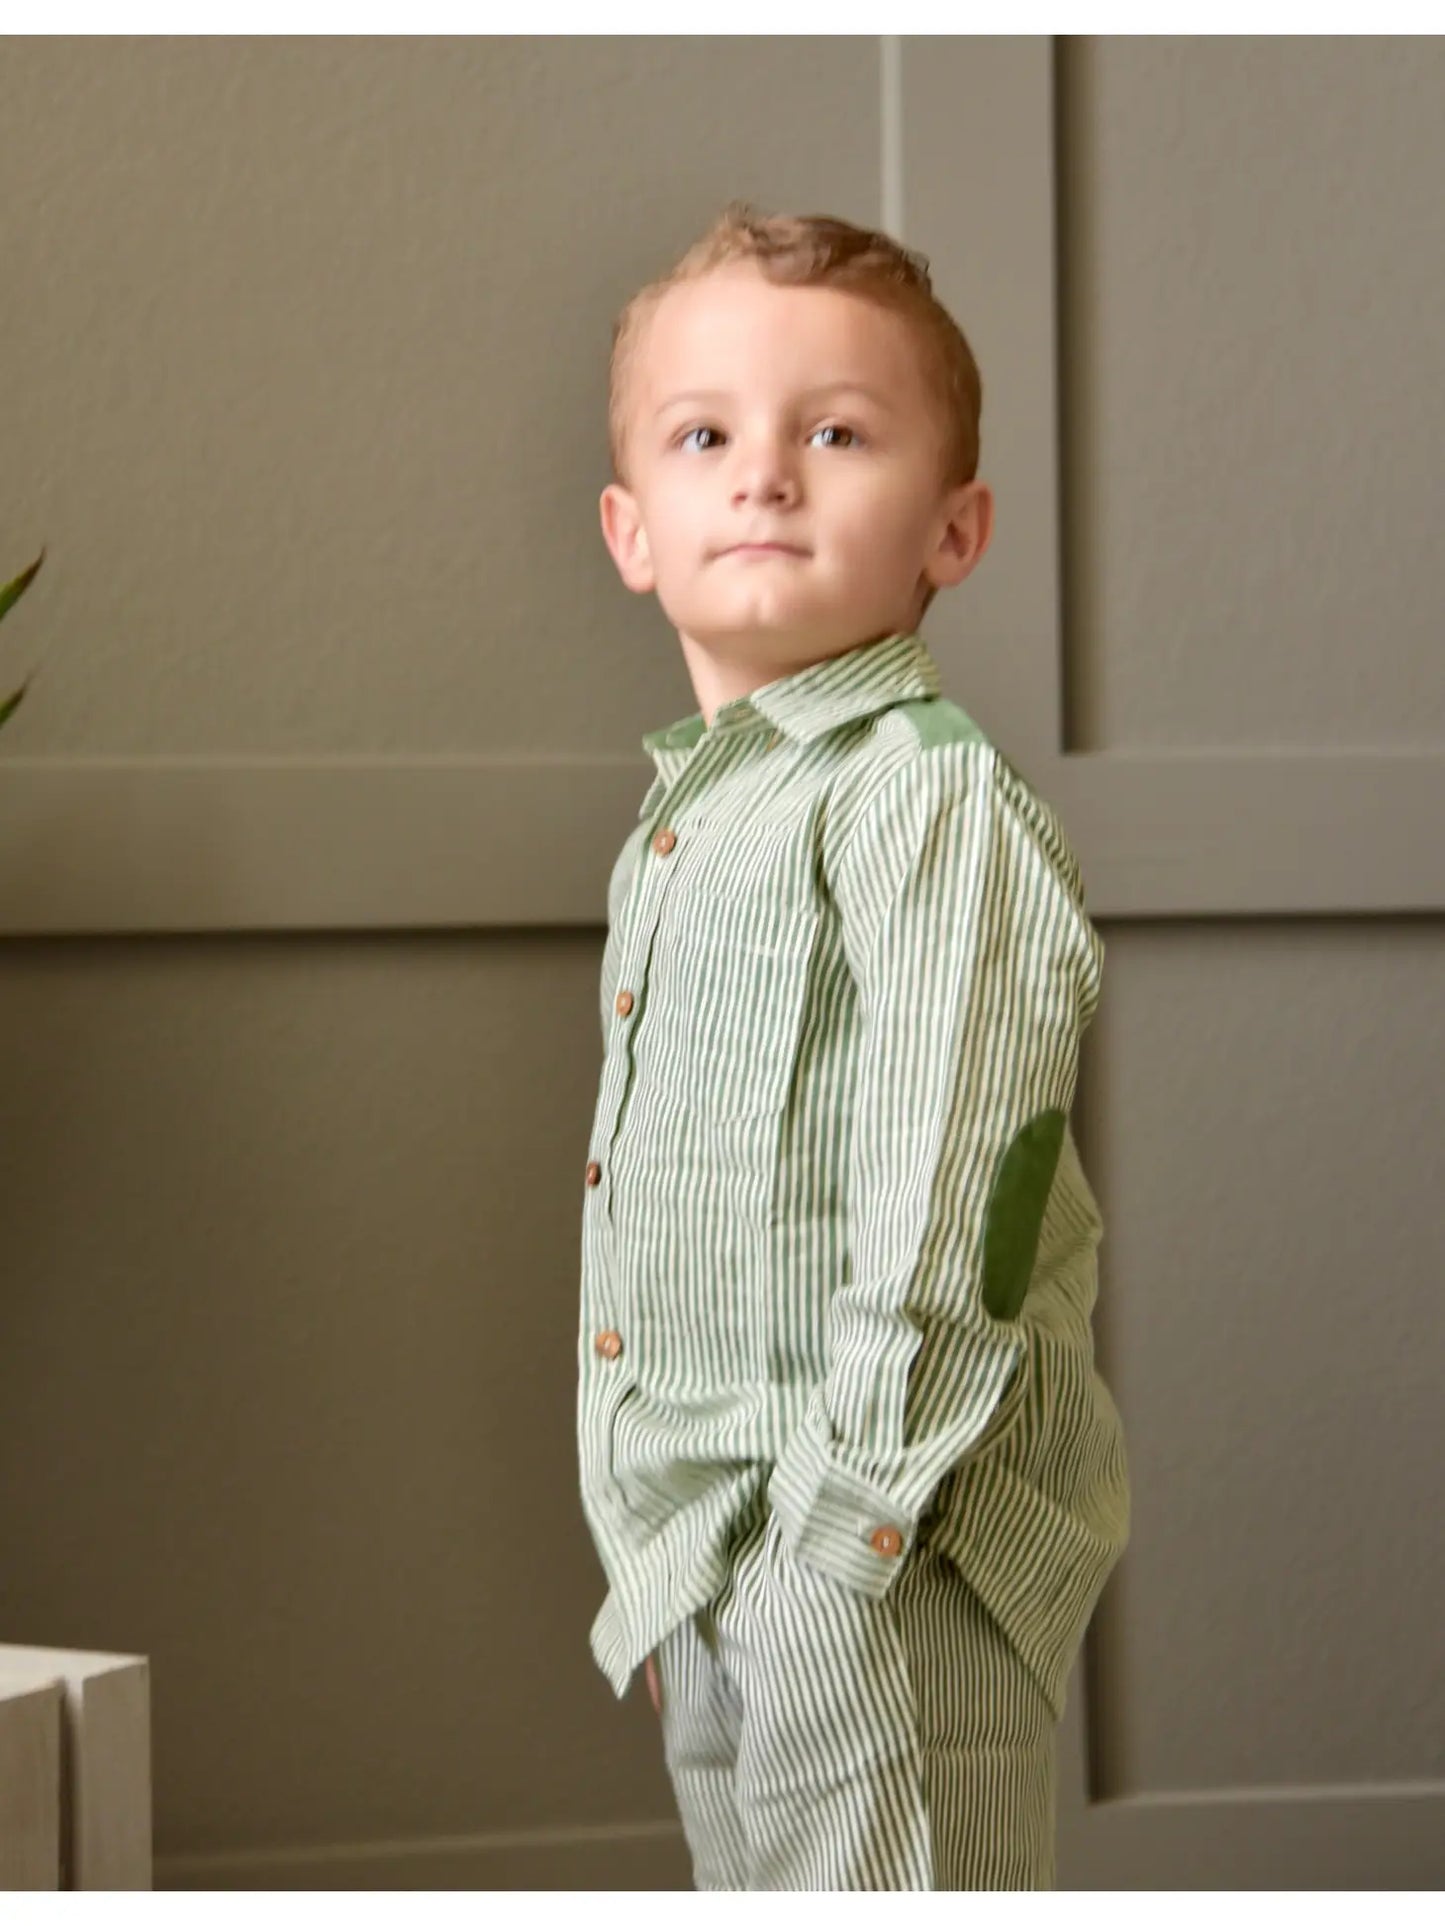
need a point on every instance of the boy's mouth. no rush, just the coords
(764, 548)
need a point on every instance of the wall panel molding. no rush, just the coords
(90, 846)
(168, 846)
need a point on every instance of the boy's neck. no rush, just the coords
(718, 679)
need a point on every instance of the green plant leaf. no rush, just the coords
(12, 592)
(13, 702)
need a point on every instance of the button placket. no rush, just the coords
(648, 900)
(650, 888)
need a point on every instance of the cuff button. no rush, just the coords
(887, 1542)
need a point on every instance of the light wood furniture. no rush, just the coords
(75, 1770)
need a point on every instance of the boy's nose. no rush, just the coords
(766, 482)
(764, 461)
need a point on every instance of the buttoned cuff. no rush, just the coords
(833, 1520)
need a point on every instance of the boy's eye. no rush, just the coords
(828, 428)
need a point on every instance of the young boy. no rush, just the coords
(851, 1472)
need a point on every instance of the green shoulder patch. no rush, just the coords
(1015, 1214)
(936, 720)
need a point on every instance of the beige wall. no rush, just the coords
(305, 346)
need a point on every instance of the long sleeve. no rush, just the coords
(976, 970)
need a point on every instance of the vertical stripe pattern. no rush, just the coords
(821, 1741)
(838, 1252)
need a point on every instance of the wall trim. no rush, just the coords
(640, 1856)
(167, 846)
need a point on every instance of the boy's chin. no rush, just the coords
(761, 622)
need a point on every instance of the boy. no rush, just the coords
(850, 1470)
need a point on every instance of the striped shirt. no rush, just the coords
(838, 1252)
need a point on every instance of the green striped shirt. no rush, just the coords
(838, 1252)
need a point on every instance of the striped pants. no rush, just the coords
(818, 1740)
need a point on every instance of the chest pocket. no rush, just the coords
(727, 1001)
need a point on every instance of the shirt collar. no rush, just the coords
(804, 705)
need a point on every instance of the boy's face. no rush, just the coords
(848, 481)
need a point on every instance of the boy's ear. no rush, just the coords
(964, 537)
(626, 539)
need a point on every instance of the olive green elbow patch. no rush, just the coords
(1015, 1214)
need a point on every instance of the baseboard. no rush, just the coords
(651, 1856)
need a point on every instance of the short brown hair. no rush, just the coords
(816, 250)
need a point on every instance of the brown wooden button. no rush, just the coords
(608, 1344)
(594, 1174)
(887, 1541)
(664, 842)
(624, 1003)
